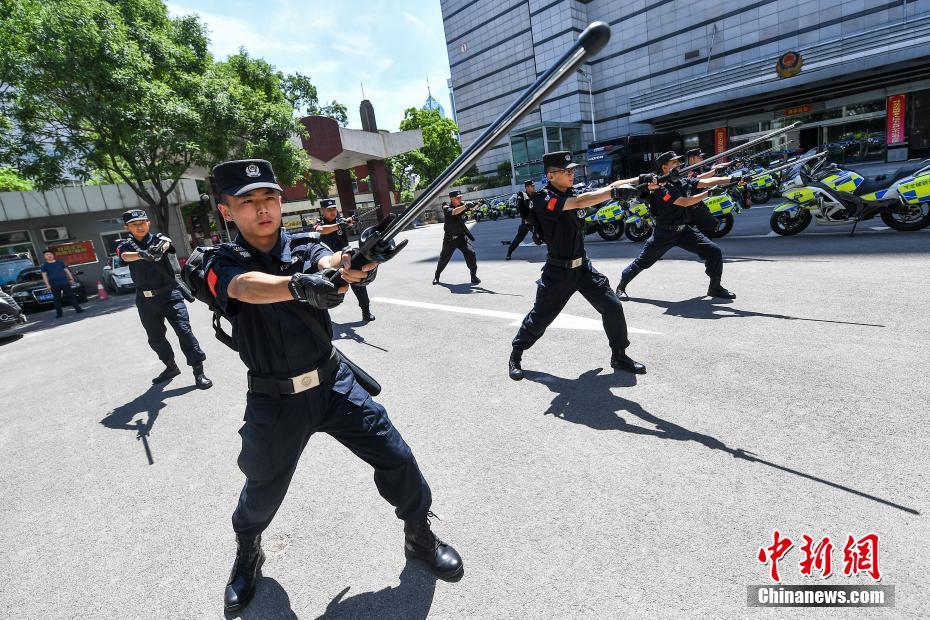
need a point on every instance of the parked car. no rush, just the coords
(10, 266)
(30, 292)
(116, 276)
(11, 314)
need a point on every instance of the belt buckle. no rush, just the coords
(306, 381)
(148, 293)
(575, 263)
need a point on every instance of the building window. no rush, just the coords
(16, 241)
(919, 124)
(527, 148)
(112, 239)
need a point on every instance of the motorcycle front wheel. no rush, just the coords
(724, 226)
(610, 231)
(909, 217)
(638, 231)
(783, 224)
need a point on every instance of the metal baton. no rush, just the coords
(376, 241)
(790, 164)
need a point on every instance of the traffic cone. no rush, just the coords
(101, 292)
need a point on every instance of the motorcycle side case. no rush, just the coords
(799, 195)
(720, 205)
(611, 212)
(843, 181)
(766, 182)
(915, 190)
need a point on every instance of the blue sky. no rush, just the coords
(389, 46)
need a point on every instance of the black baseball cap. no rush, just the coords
(326, 203)
(694, 153)
(529, 182)
(243, 175)
(560, 159)
(134, 215)
(666, 157)
(454, 193)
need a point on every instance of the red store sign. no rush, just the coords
(75, 252)
(895, 114)
(720, 140)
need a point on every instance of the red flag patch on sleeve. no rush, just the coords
(550, 206)
(666, 197)
(211, 281)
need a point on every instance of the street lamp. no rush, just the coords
(587, 76)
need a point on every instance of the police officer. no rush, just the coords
(151, 259)
(276, 290)
(334, 233)
(560, 216)
(700, 214)
(456, 237)
(524, 202)
(672, 203)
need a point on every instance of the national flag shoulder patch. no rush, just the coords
(211, 281)
(666, 197)
(550, 205)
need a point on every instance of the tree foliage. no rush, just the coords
(440, 148)
(122, 89)
(11, 181)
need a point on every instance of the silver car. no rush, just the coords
(116, 276)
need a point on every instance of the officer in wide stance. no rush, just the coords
(524, 203)
(559, 215)
(334, 233)
(456, 236)
(276, 289)
(672, 203)
(152, 263)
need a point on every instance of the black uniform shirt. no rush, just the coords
(524, 201)
(663, 200)
(562, 230)
(454, 225)
(336, 241)
(146, 275)
(271, 338)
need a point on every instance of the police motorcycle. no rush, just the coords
(606, 220)
(483, 210)
(510, 207)
(816, 190)
(639, 221)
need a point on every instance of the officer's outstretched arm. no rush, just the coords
(712, 181)
(690, 201)
(256, 287)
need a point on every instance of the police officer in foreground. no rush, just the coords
(334, 233)
(672, 203)
(524, 202)
(456, 237)
(559, 214)
(152, 262)
(276, 289)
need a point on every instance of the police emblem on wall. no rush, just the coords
(789, 64)
(252, 171)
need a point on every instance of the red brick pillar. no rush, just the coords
(380, 187)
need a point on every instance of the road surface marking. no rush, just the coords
(563, 321)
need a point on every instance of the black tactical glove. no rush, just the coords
(316, 289)
(647, 178)
(151, 255)
(369, 278)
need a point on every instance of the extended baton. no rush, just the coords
(377, 242)
(677, 172)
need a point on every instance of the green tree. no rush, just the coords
(440, 147)
(503, 169)
(122, 89)
(11, 181)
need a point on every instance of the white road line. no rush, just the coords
(564, 321)
(875, 230)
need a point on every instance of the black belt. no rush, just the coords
(294, 385)
(676, 228)
(158, 291)
(565, 264)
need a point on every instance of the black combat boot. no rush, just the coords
(628, 274)
(245, 571)
(366, 314)
(474, 279)
(421, 544)
(200, 379)
(621, 360)
(516, 371)
(171, 370)
(716, 290)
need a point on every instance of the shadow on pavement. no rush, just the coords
(410, 600)
(588, 400)
(45, 319)
(149, 402)
(706, 308)
(271, 601)
(346, 331)
(9, 338)
(469, 289)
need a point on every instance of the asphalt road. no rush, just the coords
(577, 493)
